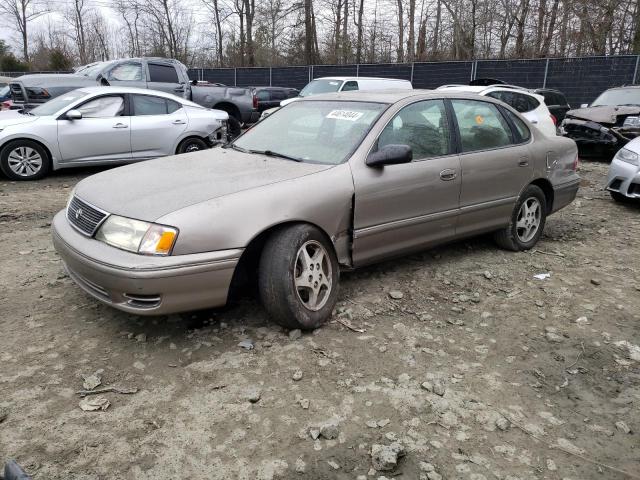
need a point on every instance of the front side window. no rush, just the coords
(481, 125)
(313, 131)
(350, 86)
(126, 72)
(103, 107)
(162, 73)
(150, 105)
(423, 126)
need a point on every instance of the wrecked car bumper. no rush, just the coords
(144, 285)
(595, 139)
(624, 178)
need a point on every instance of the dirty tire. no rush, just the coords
(28, 146)
(235, 128)
(192, 145)
(509, 238)
(279, 262)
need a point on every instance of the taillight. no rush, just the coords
(255, 101)
(575, 164)
(554, 119)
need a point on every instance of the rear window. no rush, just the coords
(163, 73)
(519, 101)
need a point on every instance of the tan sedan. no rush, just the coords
(334, 182)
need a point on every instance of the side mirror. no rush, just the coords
(584, 105)
(390, 155)
(74, 115)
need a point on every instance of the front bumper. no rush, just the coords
(624, 178)
(144, 285)
(594, 139)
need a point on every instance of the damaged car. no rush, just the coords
(605, 126)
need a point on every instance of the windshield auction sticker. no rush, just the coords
(345, 115)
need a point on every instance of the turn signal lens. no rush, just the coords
(158, 240)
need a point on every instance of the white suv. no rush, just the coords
(529, 104)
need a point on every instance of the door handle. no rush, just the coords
(448, 174)
(178, 122)
(534, 122)
(120, 125)
(523, 162)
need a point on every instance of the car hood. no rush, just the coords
(53, 79)
(12, 117)
(152, 189)
(607, 115)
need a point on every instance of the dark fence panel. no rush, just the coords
(334, 71)
(583, 79)
(386, 70)
(525, 73)
(252, 77)
(226, 76)
(294, 77)
(434, 74)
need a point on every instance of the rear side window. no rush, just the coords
(150, 105)
(481, 125)
(163, 73)
(126, 72)
(524, 134)
(519, 101)
(350, 86)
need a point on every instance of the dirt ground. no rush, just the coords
(479, 370)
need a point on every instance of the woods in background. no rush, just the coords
(231, 33)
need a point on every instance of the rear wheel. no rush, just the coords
(298, 277)
(192, 145)
(527, 221)
(24, 160)
(235, 128)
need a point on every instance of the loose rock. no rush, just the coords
(90, 404)
(297, 375)
(329, 431)
(385, 457)
(623, 427)
(396, 294)
(295, 334)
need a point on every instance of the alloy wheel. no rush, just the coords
(24, 161)
(529, 219)
(313, 275)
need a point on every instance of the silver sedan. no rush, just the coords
(623, 181)
(104, 125)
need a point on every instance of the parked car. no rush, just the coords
(103, 125)
(556, 103)
(334, 182)
(623, 181)
(265, 98)
(529, 104)
(5, 93)
(609, 123)
(344, 84)
(162, 74)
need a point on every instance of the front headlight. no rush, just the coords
(137, 236)
(626, 155)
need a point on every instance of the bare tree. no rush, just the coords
(20, 13)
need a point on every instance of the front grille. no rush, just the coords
(84, 217)
(17, 94)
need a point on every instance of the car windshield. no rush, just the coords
(4, 91)
(92, 71)
(618, 96)
(312, 131)
(320, 86)
(58, 103)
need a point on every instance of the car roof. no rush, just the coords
(141, 91)
(362, 78)
(392, 96)
(480, 89)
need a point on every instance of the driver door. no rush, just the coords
(407, 207)
(102, 134)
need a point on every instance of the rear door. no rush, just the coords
(495, 165)
(156, 126)
(163, 76)
(401, 208)
(102, 134)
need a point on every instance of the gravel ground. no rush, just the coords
(455, 363)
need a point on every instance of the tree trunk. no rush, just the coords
(360, 28)
(436, 29)
(635, 44)
(546, 46)
(411, 41)
(345, 32)
(400, 32)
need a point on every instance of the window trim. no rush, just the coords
(457, 127)
(344, 84)
(125, 112)
(452, 144)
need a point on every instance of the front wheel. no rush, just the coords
(24, 160)
(527, 221)
(192, 145)
(298, 277)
